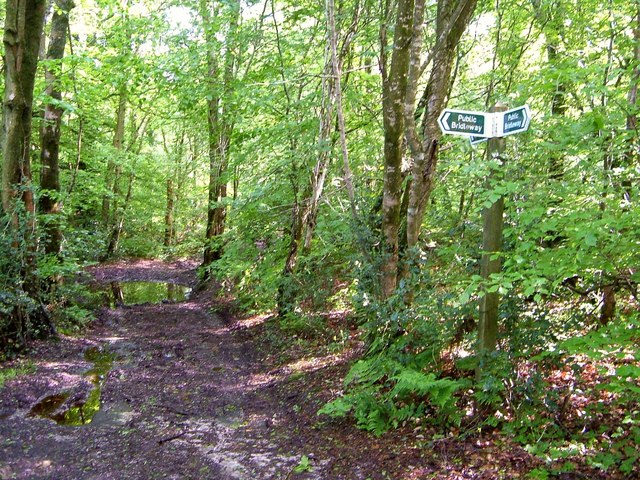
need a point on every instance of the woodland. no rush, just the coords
(293, 148)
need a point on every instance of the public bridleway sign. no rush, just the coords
(515, 121)
(461, 122)
(480, 126)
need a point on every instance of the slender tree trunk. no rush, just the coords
(78, 164)
(119, 205)
(114, 167)
(49, 202)
(286, 289)
(22, 33)
(75, 168)
(551, 24)
(321, 168)
(627, 161)
(337, 74)
(169, 232)
(608, 309)
(631, 155)
(220, 123)
(173, 186)
(118, 218)
(330, 97)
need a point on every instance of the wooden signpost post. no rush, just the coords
(491, 127)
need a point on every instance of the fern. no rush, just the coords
(337, 408)
(384, 394)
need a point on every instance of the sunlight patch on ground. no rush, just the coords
(312, 364)
(262, 379)
(253, 321)
(189, 305)
(242, 324)
(113, 339)
(31, 469)
(55, 366)
(304, 365)
(217, 332)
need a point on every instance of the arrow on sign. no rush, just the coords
(514, 121)
(470, 124)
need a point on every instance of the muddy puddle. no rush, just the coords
(79, 406)
(118, 294)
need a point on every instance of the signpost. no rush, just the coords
(490, 262)
(480, 127)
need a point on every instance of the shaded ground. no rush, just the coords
(193, 394)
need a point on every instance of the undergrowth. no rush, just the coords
(568, 393)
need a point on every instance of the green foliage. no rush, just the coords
(570, 186)
(22, 368)
(16, 305)
(615, 443)
(383, 394)
(309, 326)
(304, 465)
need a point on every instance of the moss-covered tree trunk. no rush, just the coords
(400, 85)
(394, 84)
(452, 19)
(22, 31)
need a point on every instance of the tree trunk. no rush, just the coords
(452, 20)
(22, 32)
(173, 186)
(400, 117)
(627, 160)
(220, 123)
(49, 202)
(631, 155)
(336, 64)
(114, 168)
(319, 174)
(394, 85)
(608, 310)
(286, 289)
(118, 221)
(552, 25)
(78, 164)
(120, 206)
(169, 232)
(330, 96)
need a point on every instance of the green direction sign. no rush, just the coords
(514, 121)
(470, 124)
(480, 126)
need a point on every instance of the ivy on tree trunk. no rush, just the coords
(22, 32)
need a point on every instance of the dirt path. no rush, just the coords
(187, 396)
(191, 394)
(179, 401)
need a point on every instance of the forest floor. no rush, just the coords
(189, 391)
